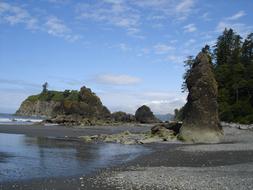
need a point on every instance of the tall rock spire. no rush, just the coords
(201, 120)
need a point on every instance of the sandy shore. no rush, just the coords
(228, 165)
(63, 131)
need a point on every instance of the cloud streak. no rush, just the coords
(20, 83)
(56, 27)
(236, 16)
(116, 13)
(117, 79)
(190, 28)
(162, 48)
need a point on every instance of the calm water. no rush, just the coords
(23, 157)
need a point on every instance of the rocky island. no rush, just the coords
(67, 107)
(83, 107)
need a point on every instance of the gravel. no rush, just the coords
(223, 177)
(186, 178)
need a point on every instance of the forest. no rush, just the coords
(232, 61)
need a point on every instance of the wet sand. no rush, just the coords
(63, 131)
(228, 165)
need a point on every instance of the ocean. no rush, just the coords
(11, 119)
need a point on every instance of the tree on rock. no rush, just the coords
(44, 87)
(201, 121)
(144, 115)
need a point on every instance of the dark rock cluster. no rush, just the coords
(122, 117)
(82, 107)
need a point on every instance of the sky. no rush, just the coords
(129, 52)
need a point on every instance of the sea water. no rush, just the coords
(27, 158)
(11, 119)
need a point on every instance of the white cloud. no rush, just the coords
(165, 106)
(206, 16)
(240, 28)
(10, 100)
(231, 22)
(184, 8)
(124, 47)
(161, 9)
(56, 27)
(160, 102)
(178, 59)
(117, 79)
(162, 48)
(58, 1)
(19, 83)
(112, 12)
(189, 42)
(13, 15)
(130, 15)
(16, 15)
(190, 28)
(236, 16)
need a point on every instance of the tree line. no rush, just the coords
(232, 60)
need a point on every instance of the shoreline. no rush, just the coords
(64, 131)
(167, 166)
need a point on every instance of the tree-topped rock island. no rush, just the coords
(76, 107)
(84, 107)
(200, 114)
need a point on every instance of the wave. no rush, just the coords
(11, 119)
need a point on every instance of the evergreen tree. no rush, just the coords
(234, 74)
(44, 87)
(188, 64)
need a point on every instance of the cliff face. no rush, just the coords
(83, 103)
(37, 108)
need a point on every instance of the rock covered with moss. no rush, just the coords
(144, 115)
(201, 121)
(67, 106)
(122, 117)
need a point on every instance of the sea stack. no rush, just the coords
(144, 115)
(201, 120)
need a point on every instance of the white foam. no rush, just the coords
(19, 120)
(5, 120)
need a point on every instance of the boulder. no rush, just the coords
(162, 132)
(122, 117)
(144, 115)
(172, 126)
(201, 121)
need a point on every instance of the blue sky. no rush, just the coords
(129, 52)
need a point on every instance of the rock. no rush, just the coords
(201, 121)
(162, 132)
(132, 138)
(174, 126)
(144, 115)
(153, 139)
(37, 108)
(69, 107)
(86, 139)
(122, 117)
